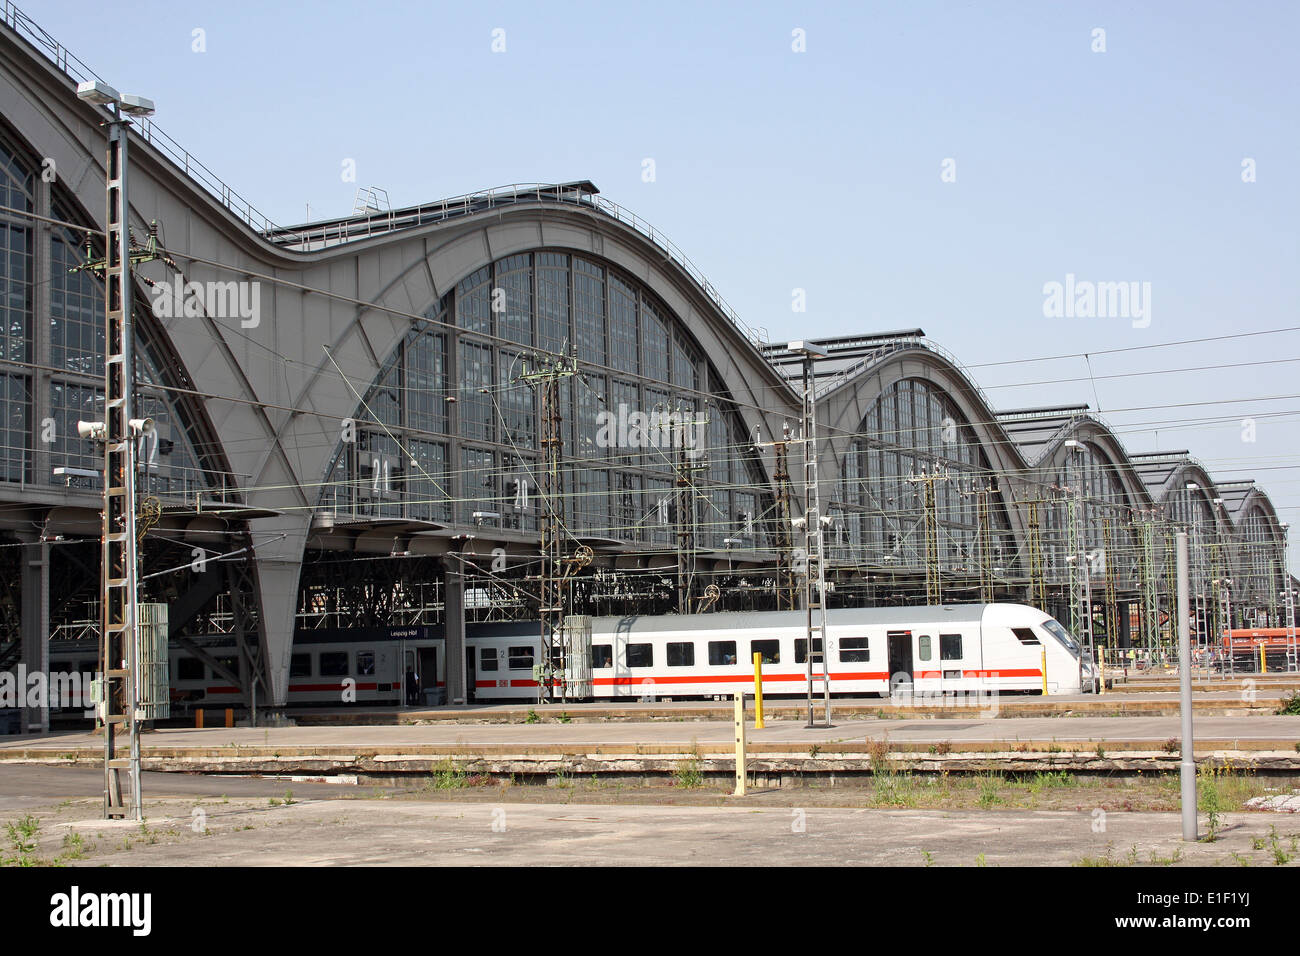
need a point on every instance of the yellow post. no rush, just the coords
(740, 745)
(1101, 670)
(758, 690)
(230, 717)
(1263, 661)
(198, 718)
(1044, 672)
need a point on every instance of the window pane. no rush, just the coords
(334, 664)
(1025, 635)
(855, 650)
(602, 655)
(950, 647)
(640, 655)
(487, 659)
(722, 652)
(801, 648)
(681, 654)
(771, 651)
(924, 641)
(520, 658)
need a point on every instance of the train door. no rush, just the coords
(426, 674)
(404, 685)
(900, 663)
(952, 658)
(471, 673)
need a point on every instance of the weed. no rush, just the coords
(1210, 802)
(979, 860)
(1167, 860)
(1241, 860)
(1107, 859)
(1280, 856)
(1101, 752)
(688, 773)
(22, 837)
(878, 755)
(1291, 706)
(1053, 778)
(447, 776)
(288, 798)
(814, 750)
(564, 717)
(1171, 745)
(989, 795)
(75, 846)
(532, 717)
(929, 858)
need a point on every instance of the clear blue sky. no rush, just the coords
(820, 170)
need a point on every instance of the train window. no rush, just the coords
(1025, 635)
(949, 647)
(854, 649)
(801, 648)
(771, 651)
(365, 663)
(334, 664)
(923, 647)
(602, 655)
(487, 658)
(519, 658)
(722, 652)
(190, 668)
(681, 654)
(640, 655)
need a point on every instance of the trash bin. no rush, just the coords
(434, 696)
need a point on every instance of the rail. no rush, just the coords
(337, 231)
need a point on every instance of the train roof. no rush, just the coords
(743, 620)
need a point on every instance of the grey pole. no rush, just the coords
(1187, 767)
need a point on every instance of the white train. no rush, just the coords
(964, 648)
(969, 648)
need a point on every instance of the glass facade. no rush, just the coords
(631, 418)
(1090, 472)
(878, 517)
(72, 386)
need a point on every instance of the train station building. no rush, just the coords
(367, 422)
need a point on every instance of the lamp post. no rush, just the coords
(119, 701)
(811, 524)
(1197, 549)
(1081, 564)
(1290, 600)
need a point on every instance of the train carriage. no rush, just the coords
(949, 649)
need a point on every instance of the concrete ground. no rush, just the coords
(223, 822)
(960, 728)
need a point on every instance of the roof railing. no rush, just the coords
(76, 69)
